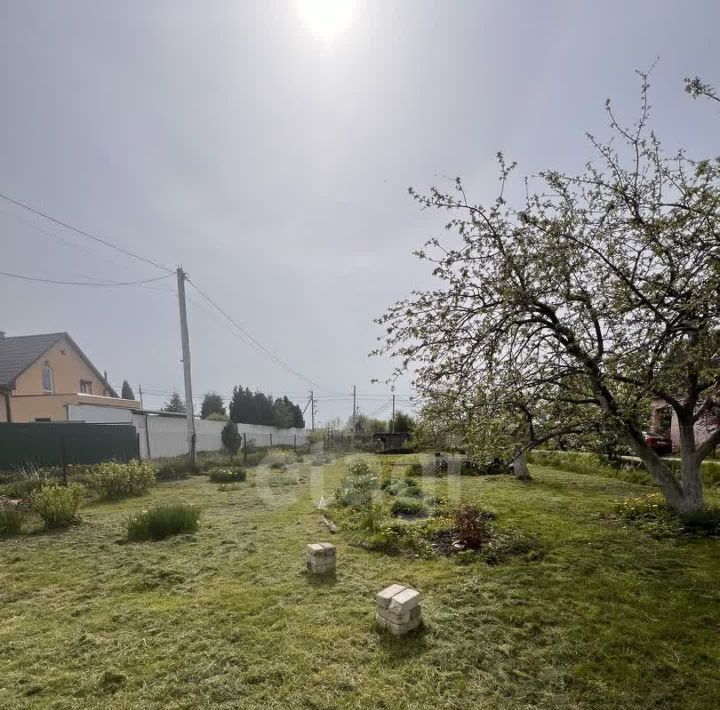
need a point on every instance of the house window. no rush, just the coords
(85, 387)
(47, 379)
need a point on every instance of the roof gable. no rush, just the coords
(19, 352)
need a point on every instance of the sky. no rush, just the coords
(267, 148)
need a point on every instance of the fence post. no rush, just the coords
(295, 441)
(270, 440)
(244, 447)
(63, 458)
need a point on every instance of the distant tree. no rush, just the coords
(298, 419)
(403, 422)
(283, 414)
(127, 392)
(174, 404)
(212, 404)
(231, 438)
(216, 417)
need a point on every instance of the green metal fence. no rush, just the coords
(55, 443)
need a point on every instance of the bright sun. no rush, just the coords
(326, 19)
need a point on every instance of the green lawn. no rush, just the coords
(227, 618)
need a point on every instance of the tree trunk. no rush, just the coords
(691, 471)
(520, 467)
(685, 496)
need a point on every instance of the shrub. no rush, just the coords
(440, 465)
(407, 506)
(231, 438)
(406, 488)
(111, 479)
(704, 523)
(11, 520)
(58, 505)
(357, 491)
(228, 475)
(172, 469)
(471, 525)
(415, 469)
(359, 468)
(371, 519)
(162, 521)
(279, 456)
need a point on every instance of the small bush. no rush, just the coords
(11, 520)
(58, 505)
(407, 506)
(162, 521)
(279, 456)
(111, 480)
(415, 469)
(359, 468)
(471, 525)
(371, 519)
(704, 523)
(357, 489)
(228, 475)
(172, 469)
(440, 465)
(406, 488)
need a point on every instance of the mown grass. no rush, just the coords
(227, 617)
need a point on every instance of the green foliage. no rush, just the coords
(407, 506)
(172, 469)
(415, 469)
(258, 408)
(11, 520)
(440, 465)
(112, 479)
(58, 505)
(357, 489)
(471, 525)
(283, 457)
(215, 417)
(174, 404)
(212, 404)
(652, 514)
(403, 422)
(231, 438)
(371, 518)
(162, 521)
(228, 475)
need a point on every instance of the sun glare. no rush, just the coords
(326, 19)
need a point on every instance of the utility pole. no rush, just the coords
(186, 366)
(392, 424)
(354, 411)
(312, 409)
(141, 399)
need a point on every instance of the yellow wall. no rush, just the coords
(28, 401)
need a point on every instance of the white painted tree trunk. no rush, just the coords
(520, 467)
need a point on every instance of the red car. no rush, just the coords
(662, 445)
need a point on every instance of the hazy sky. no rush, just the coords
(267, 147)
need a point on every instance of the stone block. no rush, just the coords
(321, 557)
(398, 609)
(384, 598)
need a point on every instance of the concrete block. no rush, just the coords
(321, 558)
(405, 600)
(384, 598)
(398, 609)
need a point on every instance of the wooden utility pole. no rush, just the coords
(141, 399)
(392, 423)
(312, 409)
(186, 367)
(354, 419)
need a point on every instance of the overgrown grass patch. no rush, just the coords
(11, 520)
(228, 475)
(163, 521)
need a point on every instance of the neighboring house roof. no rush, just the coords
(19, 352)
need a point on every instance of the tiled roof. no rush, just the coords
(18, 353)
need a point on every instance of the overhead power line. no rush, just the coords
(83, 233)
(81, 283)
(275, 358)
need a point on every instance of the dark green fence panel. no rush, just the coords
(48, 443)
